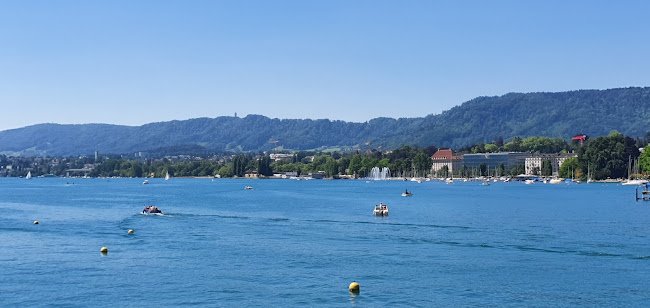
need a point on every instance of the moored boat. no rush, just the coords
(634, 182)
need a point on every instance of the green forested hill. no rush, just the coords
(483, 119)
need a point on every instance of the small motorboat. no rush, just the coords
(486, 184)
(529, 182)
(145, 182)
(380, 210)
(248, 187)
(407, 194)
(151, 210)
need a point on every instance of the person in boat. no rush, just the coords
(407, 191)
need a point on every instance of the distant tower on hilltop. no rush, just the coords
(95, 155)
(235, 114)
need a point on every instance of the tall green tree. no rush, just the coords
(606, 157)
(547, 168)
(644, 160)
(569, 168)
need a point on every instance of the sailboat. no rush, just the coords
(167, 176)
(635, 181)
(29, 175)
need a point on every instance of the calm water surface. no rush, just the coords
(301, 243)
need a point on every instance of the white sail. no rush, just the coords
(167, 176)
(29, 175)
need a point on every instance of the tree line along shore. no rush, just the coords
(605, 157)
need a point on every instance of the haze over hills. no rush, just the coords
(483, 119)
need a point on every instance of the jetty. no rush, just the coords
(645, 193)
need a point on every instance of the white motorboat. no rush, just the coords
(151, 210)
(248, 187)
(529, 182)
(555, 181)
(407, 194)
(380, 210)
(145, 182)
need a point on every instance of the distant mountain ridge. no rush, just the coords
(483, 119)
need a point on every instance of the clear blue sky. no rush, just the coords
(135, 62)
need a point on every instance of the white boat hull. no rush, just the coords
(380, 212)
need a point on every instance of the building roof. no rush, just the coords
(444, 154)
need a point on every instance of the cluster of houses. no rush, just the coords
(509, 160)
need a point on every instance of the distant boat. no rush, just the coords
(151, 210)
(29, 175)
(555, 181)
(634, 182)
(248, 187)
(145, 182)
(407, 194)
(167, 177)
(486, 184)
(529, 182)
(380, 210)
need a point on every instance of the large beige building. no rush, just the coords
(446, 158)
(556, 160)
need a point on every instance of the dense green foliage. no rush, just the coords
(405, 161)
(484, 119)
(603, 157)
(644, 160)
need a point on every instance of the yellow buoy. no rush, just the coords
(354, 287)
(104, 250)
(130, 231)
(36, 222)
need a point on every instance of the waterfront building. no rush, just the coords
(446, 158)
(492, 160)
(535, 162)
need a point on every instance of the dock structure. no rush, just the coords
(85, 171)
(645, 193)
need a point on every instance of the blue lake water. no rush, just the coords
(301, 243)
